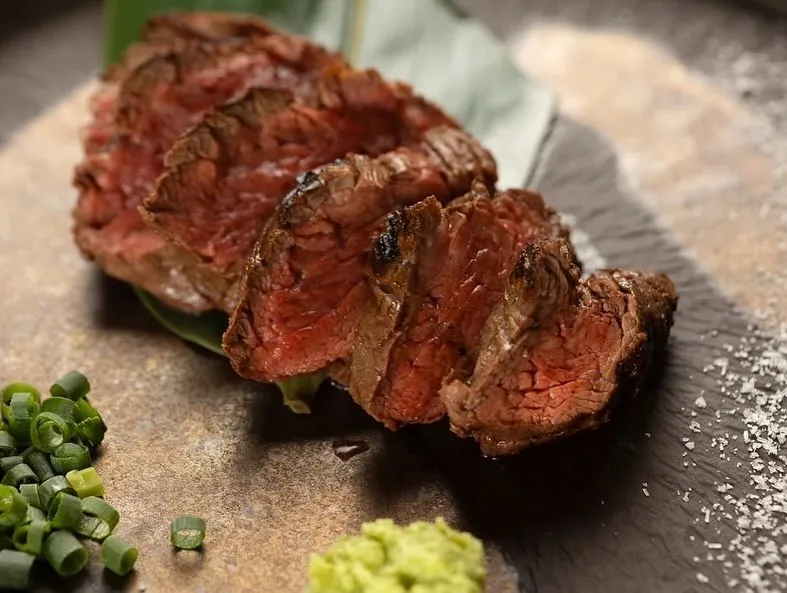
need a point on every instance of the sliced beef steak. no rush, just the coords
(171, 30)
(156, 102)
(226, 175)
(557, 350)
(304, 287)
(436, 275)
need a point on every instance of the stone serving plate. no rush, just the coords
(654, 149)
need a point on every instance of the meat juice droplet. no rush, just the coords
(346, 449)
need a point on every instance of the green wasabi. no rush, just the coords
(386, 558)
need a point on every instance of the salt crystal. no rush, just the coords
(700, 402)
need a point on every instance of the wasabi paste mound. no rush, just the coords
(386, 558)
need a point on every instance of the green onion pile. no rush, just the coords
(50, 495)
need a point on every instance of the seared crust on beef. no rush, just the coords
(204, 26)
(122, 165)
(225, 176)
(558, 350)
(200, 75)
(304, 287)
(169, 31)
(432, 293)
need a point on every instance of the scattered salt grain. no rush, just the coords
(700, 402)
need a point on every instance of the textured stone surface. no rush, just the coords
(187, 436)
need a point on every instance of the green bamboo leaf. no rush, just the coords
(204, 330)
(447, 57)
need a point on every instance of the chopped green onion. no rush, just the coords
(64, 552)
(118, 555)
(65, 510)
(92, 527)
(99, 518)
(30, 492)
(34, 514)
(98, 507)
(92, 430)
(19, 387)
(13, 507)
(73, 385)
(187, 532)
(40, 465)
(86, 482)
(7, 463)
(19, 413)
(20, 474)
(51, 488)
(70, 456)
(15, 569)
(49, 430)
(63, 407)
(7, 444)
(30, 538)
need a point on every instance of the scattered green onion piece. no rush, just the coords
(118, 555)
(7, 463)
(86, 482)
(92, 430)
(20, 474)
(73, 385)
(70, 456)
(51, 488)
(15, 569)
(98, 507)
(62, 406)
(187, 532)
(19, 413)
(30, 538)
(34, 514)
(30, 493)
(7, 444)
(40, 465)
(13, 507)
(64, 552)
(19, 387)
(49, 430)
(65, 510)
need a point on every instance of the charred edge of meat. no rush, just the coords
(309, 182)
(459, 156)
(533, 261)
(204, 25)
(387, 247)
(167, 32)
(212, 140)
(194, 55)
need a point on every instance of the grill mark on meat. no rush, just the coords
(304, 287)
(432, 294)
(558, 350)
(124, 150)
(387, 247)
(226, 175)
